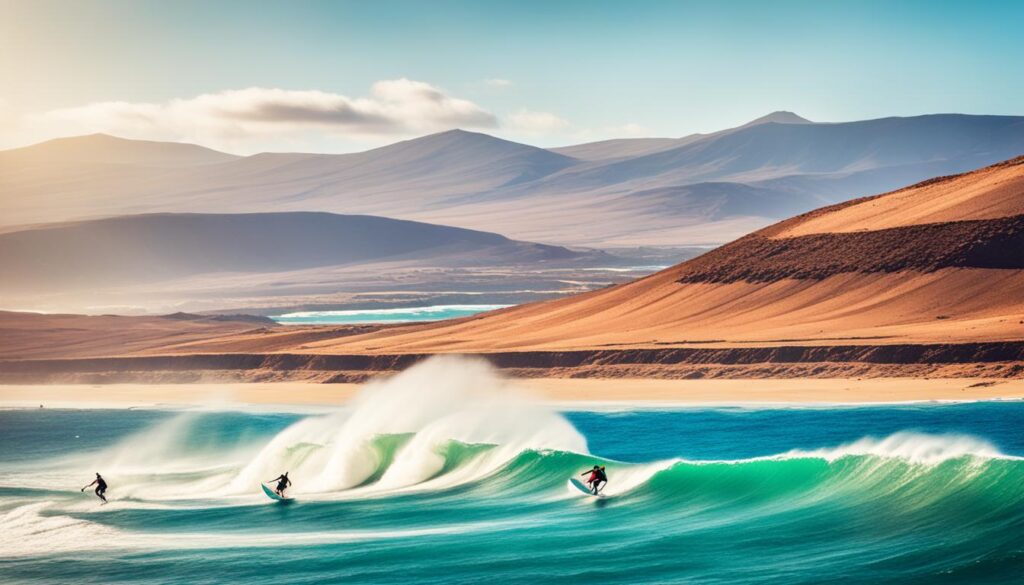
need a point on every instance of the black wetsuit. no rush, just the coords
(282, 484)
(101, 488)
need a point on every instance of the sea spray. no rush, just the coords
(432, 404)
(909, 446)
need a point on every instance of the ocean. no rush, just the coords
(444, 475)
(399, 315)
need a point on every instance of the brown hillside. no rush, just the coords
(32, 335)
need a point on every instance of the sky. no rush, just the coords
(341, 76)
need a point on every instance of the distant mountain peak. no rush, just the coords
(93, 136)
(97, 138)
(455, 135)
(460, 135)
(100, 147)
(102, 143)
(467, 144)
(82, 139)
(459, 132)
(779, 117)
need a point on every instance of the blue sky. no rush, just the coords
(548, 73)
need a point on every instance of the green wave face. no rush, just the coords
(956, 521)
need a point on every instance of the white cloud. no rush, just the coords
(498, 82)
(259, 119)
(530, 122)
(235, 117)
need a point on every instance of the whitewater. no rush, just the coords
(447, 473)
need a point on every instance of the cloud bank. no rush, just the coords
(259, 119)
(231, 117)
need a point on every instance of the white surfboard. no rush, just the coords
(273, 495)
(582, 487)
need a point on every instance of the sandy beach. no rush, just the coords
(633, 391)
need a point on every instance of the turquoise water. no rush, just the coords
(644, 269)
(403, 315)
(456, 484)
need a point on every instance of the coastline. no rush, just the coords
(558, 391)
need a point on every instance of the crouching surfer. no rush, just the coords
(596, 479)
(282, 483)
(101, 487)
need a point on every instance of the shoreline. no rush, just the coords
(603, 393)
(981, 360)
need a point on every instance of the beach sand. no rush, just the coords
(637, 391)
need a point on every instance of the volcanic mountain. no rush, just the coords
(938, 262)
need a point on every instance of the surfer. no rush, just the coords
(597, 477)
(101, 487)
(282, 483)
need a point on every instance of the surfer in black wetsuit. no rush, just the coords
(597, 477)
(282, 483)
(101, 487)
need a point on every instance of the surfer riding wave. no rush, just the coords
(597, 478)
(101, 487)
(282, 483)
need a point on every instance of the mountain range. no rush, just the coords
(154, 248)
(699, 189)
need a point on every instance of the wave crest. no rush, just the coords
(912, 447)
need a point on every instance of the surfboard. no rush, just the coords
(580, 486)
(273, 495)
